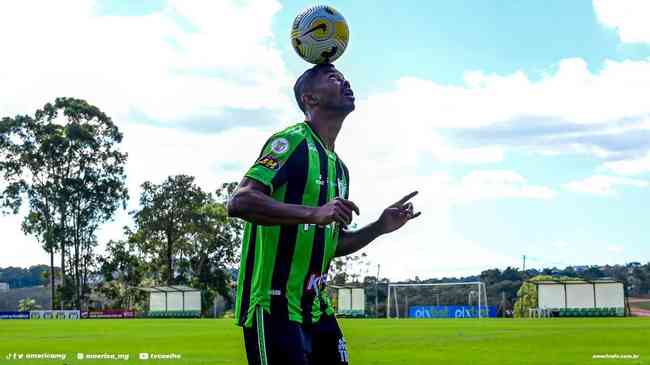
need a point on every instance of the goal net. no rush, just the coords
(438, 300)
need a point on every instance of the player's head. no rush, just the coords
(324, 87)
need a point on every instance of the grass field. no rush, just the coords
(433, 341)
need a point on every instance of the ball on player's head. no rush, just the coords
(320, 34)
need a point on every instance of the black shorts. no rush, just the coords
(282, 342)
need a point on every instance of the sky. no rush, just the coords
(525, 126)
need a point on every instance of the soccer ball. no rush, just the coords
(320, 34)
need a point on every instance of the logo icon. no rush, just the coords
(280, 146)
(144, 356)
(269, 162)
(316, 281)
(80, 356)
(20, 356)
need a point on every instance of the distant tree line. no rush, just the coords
(18, 277)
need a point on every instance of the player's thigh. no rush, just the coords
(328, 343)
(272, 341)
(289, 344)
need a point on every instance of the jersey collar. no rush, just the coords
(317, 138)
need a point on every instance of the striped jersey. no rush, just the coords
(284, 268)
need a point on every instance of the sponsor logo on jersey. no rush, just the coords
(320, 180)
(280, 146)
(316, 282)
(275, 292)
(269, 162)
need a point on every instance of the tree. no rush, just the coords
(186, 235)
(168, 212)
(215, 242)
(349, 268)
(66, 162)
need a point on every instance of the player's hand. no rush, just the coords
(338, 210)
(396, 215)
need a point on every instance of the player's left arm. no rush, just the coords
(391, 219)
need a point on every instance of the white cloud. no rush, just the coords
(148, 63)
(628, 17)
(631, 166)
(493, 184)
(572, 93)
(18, 249)
(617, 249)
(603, 185)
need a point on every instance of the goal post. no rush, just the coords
(394, 299)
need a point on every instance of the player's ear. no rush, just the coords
(309, 99)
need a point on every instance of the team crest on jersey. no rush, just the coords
(269, 162)
(280, 146)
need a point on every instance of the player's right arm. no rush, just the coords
(252, 202)
(283, 155)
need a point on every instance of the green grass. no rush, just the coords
(432, 341)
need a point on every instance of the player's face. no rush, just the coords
(334, 91)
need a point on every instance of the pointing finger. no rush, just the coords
(405, 199)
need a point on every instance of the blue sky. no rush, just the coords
(524, 125)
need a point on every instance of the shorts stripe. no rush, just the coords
(260, 335)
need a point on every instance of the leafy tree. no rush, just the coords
(214, 245)
(349, 268)
(65, 161)
(183, 235)
(166, 218)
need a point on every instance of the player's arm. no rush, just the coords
(252, 202)
(391, 219)
(352, 241)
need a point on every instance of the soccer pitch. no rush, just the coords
(382, 341)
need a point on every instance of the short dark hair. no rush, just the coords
(306, 81)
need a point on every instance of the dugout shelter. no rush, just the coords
(581, 298)
(173, 301)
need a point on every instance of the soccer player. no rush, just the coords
(295, 200)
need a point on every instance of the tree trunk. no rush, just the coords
(84, 281)
(51, 278)
(170, 273)
(62, 273)
(76, 264)
(62, 259)
(76, 274)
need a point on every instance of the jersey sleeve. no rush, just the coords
(272, 163)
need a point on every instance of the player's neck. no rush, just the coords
(327, 130)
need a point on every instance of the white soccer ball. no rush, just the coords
(320, 34)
